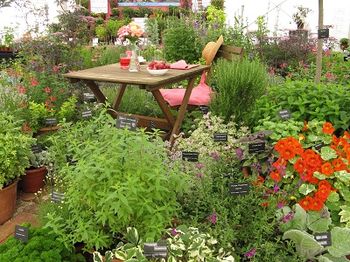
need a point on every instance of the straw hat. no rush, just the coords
(211, 49)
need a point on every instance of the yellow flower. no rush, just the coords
(292, 198)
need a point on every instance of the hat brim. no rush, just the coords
(211, 49)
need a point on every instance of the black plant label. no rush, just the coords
(319, 146)
(57, 197)
(190, 156)
(204, 109)
(284, 114)
(155, 250)
(36, 149)
(239, 188)
(50, 121)
(323, 33)
(127, 122)
(257, 147)
(86, 114)
(22, 233)
(220, 137)
(324, 239)
(89, 97)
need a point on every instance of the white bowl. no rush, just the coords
(156, 72)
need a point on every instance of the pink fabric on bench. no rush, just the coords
(200, 95)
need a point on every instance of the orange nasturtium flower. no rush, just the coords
(306, 202)
(338, 164)
(328, 128)
(327, 169)
(275, 176)
(299, 166)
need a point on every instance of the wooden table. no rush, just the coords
(114, 74)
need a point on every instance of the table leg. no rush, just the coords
(118, 99)
(182, 110)
(163, 105)
(96, 90)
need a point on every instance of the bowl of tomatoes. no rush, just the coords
(158, 68)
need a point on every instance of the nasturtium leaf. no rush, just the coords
(329, 258)
(319, 175)
(306, 189)
(345, 215)
(305, 244)
(343, 176)
(318, 222)
(333, 197)
(340, 242)
(328, 153)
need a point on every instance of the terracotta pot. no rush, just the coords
(8, 197)
(246, 171)
(33, 180)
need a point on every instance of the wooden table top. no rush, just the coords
(114, 74)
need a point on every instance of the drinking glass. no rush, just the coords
(124, 61)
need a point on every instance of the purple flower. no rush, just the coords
(212, 218)
(199, 175)
(276, 188)
(199, 165)
(174, 232)
(215, 155)
(287, 217)
(239, 153)
(280, 205)
(250, 253)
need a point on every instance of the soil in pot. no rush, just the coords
(8, 197)
(33, 181)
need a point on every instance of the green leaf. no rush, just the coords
(345, 215)
(306, 246)
(340, 242)
(319, 175)
(343, 176)
(318, 221)
(298, 221)
(328, 153)
(333, 197)
(328, 257)
(306, 189)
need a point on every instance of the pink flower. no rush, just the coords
(174, 232)
(47, 90)
(213, 218)
(215, 155)
(199, 165)
(22, 89)
(250, 253)
(34, 82)
(199, 175)
(330, 76)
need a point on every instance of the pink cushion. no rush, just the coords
(200, 95)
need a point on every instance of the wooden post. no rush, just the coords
(319, 44)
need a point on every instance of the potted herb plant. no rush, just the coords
(33, 181)
(14, 158)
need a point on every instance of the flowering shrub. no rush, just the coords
(132, 32)
(315, 174)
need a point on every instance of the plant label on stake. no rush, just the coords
(319, 146)
(323, 33)
(155, 250)
(86, 114)
(324, 239)
(50, 121)
(204, 109)
(284, 114)
(57, 197)
(190, 156)
(220, 137)
(21, 233)
(257, 147)
(89, 97)
(127, 122)
(239, 188)
(36, 149)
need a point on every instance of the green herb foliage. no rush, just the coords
(41, 246)
(122, 178)
(238, 84)
(182, 41)
(306, 101)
